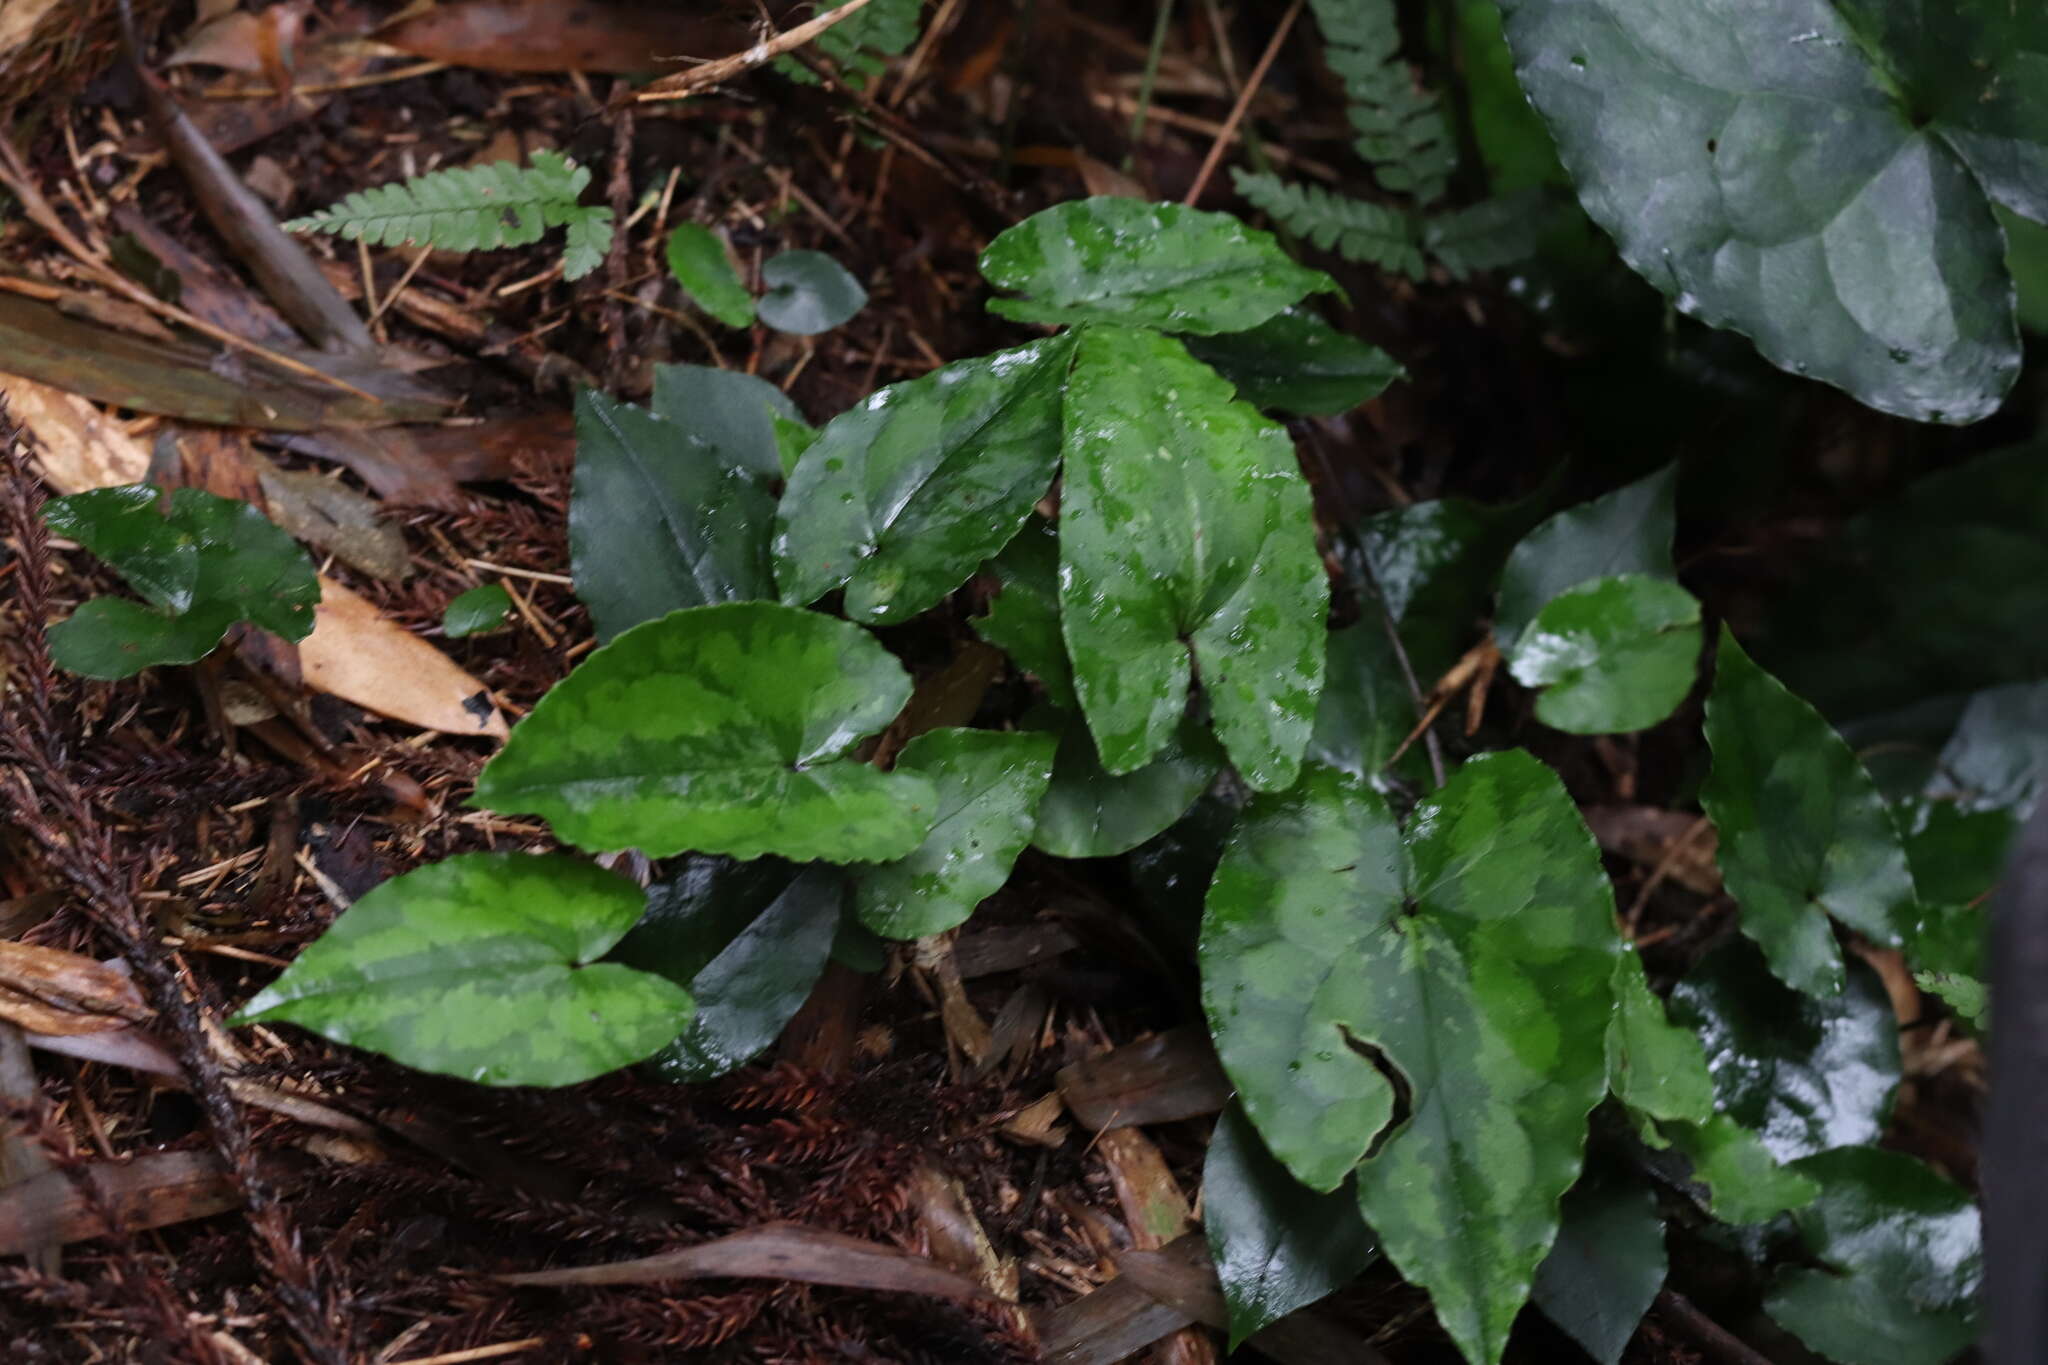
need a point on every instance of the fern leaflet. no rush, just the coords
(1490, 233)
(1402, 133)
(1356, 229)
(859, 46)
(477, 208)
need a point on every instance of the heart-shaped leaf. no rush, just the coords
(1804, 833)
(1627, 531)
(748, 941)
(989, 784)
(1904, 1260)
(903, 495)
(1277, 1244)
(659, 520)
(1336, 954)
(1186, 537)
(720, 730)
(1296, 362)
(1607, 1265)
(1109, 259)
(484, 966)
(1088, 813)
(1812, 174)
(698, 259)
(1610, 656)
(204, 563)
(739, 416)
(808, 293)
(1805, 1073)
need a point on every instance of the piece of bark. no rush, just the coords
(1172, 1075)
(148, 1192)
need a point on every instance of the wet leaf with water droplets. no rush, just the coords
(989, 784)
(1157, 265)
(719, 729)
(903, 495)
(1186, 538)
(1337, 951)
(1902, 1262)
(484, 966)
(1804, 832)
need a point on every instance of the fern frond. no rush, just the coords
(1357, 230)
(476, 208)
(860, 45)
(1488, 234)
(1402, 132)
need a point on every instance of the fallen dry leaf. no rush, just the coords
(546, 35)
(50, 991)
(777, 1251)
(149, 1192)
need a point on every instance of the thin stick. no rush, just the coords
(683, 84)
(14, 174)
(503, 1348)
(1162, 21)
(1244, 103)
(384, 304)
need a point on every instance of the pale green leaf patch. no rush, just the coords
(484, 966)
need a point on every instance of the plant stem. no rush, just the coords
(1161, 22)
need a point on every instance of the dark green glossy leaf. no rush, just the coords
(1607, 1264)
(1806, 183)
(1903, 1255)
(1278, 1245)
(658, 521)
(1627, 531)
(1157, 265)
(1024, 618)
(1088, 813)
(1745, 1184)
(1185, 530)
(1296, 362)
(720, 729)
(698, 259)
(1804, 833)
(903, 495)
(1806, 1074)
(1170, 872)
(808, 293)
(476, 612)
(1436, 565)
(1366, 709)
(748, 940)
(1997, 757)
(126, 526)
(989, 784)
(2026, 256)
(484, 966)
(1611, 656)
(205, 563)
(1331, 944)
(1653, 1066)
(741, 417)
(1956, 854)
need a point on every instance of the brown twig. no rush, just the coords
(1244, 103)
(683, 84)
(14, 174)
(1704, 1331)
